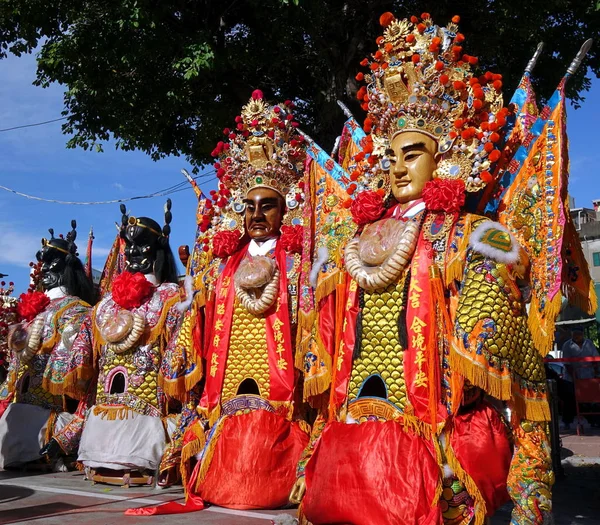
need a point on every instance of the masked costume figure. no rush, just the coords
(118, 355)
(41, 346)
(251, 286)
(435, 333)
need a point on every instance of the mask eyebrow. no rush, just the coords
(261, 202)
(414, 146)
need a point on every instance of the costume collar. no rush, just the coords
(57, 293)
(413, 208)
(151, 277)
(263, 248)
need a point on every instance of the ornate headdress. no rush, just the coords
(134, 225)
(265, 150)
(65, 245)
(420, 80)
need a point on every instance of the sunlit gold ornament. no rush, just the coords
(421, 80)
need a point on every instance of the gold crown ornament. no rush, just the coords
(420, 79)
(265, 150)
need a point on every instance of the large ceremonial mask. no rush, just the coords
(250, 260)
(435, 332)
(122, 359)
(33, 400)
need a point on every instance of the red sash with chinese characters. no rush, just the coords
(421, 359)
(277, 330)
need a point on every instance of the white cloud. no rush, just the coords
(17, 247)
(118, 186)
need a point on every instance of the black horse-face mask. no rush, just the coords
(141, 245)
(53, 266)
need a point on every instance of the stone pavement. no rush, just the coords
(66, 499)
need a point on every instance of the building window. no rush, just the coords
(596, 257)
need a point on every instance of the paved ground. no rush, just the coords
(65, 498)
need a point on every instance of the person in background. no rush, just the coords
(578, 346)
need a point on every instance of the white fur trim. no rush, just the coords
(322, 257)
(448, 472)
(511, 257)
(188, 284)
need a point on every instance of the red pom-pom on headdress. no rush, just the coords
(386, 19)
(446, 195)
(31, 304)
(131, 290)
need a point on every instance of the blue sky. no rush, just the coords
(35, 161)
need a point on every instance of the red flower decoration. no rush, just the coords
(31, 304)
(131, 290)
(225, 243)
(367, 207)
(291, 238)
(444, 195)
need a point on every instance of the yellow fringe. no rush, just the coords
(414, 425)
(208, 455)
(327, 285)
(214, 415)
(178, 388)
(188, 451)
(303, 336)
(541, 326)
(588, 303)
(531, 409)
(56, 389)
(440, 460)
(455, 266)
(112, 412)
(468, 483)
(500, 388)
(50, 426)
(304, 426)
(505, 388)
(315, 386)
(73, 378)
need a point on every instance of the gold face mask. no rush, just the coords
(412, 157)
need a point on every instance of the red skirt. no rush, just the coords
(375, 473)
(254, 462)
(372, 473)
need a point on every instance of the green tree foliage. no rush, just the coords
(167, 76)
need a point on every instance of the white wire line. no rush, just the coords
(33, 125)
(160, 193)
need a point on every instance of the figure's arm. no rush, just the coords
(81, 368)
(531, 477)
(181, 364)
